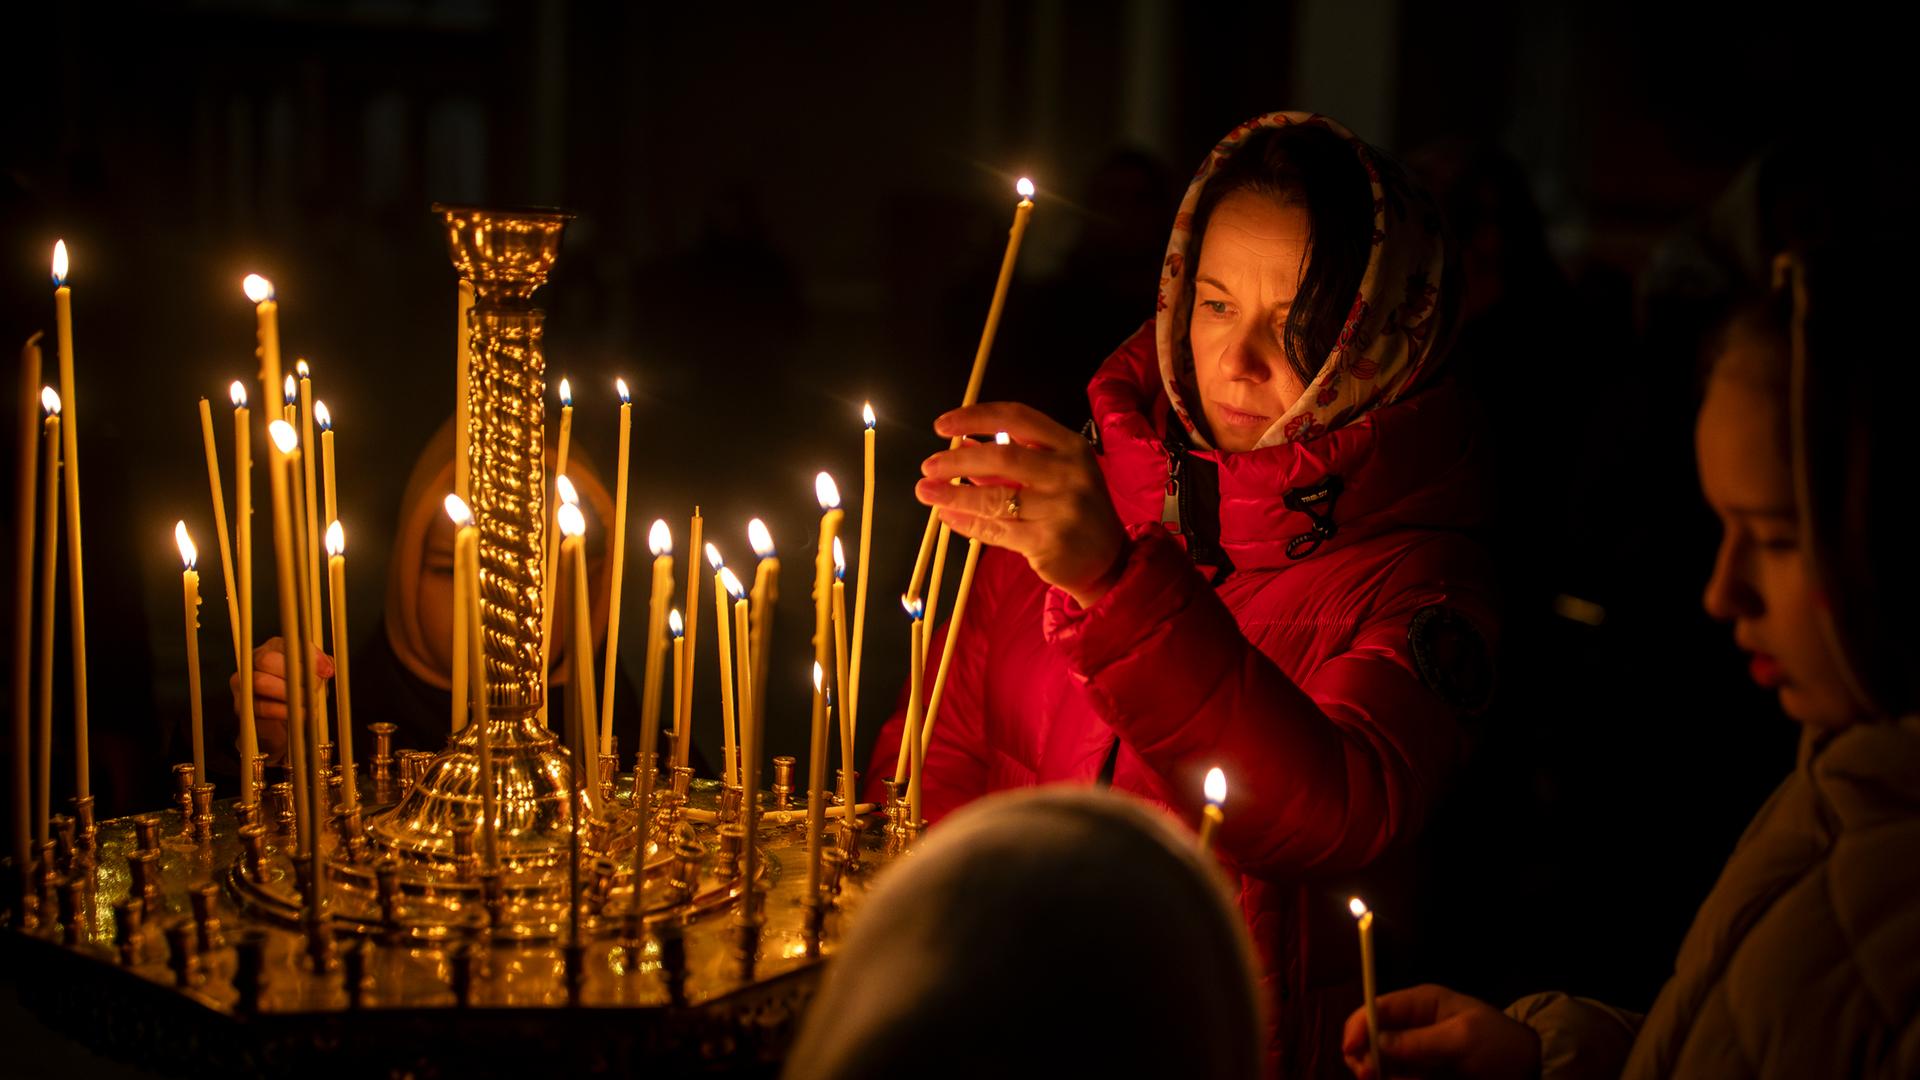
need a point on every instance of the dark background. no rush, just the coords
(785, 210)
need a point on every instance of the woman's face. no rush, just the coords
(1763, 581)
(1251, 262)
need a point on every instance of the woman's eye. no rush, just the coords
(1217, 307)
(1778, 543)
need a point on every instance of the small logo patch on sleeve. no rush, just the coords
(1451, 657)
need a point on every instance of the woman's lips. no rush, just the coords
(1240, 417)
(1766, 671)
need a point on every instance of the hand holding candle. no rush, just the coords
(190, 598)
(1365, 917)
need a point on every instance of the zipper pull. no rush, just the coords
(1170, 504)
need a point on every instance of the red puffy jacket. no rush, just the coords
(1329, 683)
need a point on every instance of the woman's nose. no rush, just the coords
(1247, 358)
(1730, 593)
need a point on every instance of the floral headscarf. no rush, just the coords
(1390, 342)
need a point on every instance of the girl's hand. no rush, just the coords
(270, 693)
(1433, 1031)
(1041, 495)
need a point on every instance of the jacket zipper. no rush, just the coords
(1174, 500)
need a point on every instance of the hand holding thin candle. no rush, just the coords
(1433, 1031)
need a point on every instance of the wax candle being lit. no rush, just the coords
(913, 747)
(190, 600)
(266, 310)
(243, 550)
(572, 525)
(49, 551)
(293, 638)
(766, 596)
(660, 541)
(850, 693)
(1365, 918)
(337, 594)
(828, 494)
(729, 748)
(289, 400)
(462, 517)
(751, 736)
(549, 581)
(656, 612)
(76, 576)
(573, 560)
(463, 375)
(1212, 816)
(840, 671)
(677, 629)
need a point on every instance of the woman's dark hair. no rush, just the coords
(1308, 166)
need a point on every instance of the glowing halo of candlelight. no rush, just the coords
(336, 539)
(713, 557)
(462, 514)
(237, 393)
(760, 538)
(258, 289)
(660, 538)
(49, 401)
(59, 262)
(566, 393)
(287, 440)
(826, 491)
(572, 521)
(731, 582)
(322, 418)
(1025, 187)
(676, 625)
(189, 555)
(1216, 786)
(569, 496)
(1357, 906)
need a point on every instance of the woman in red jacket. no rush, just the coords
(1261, 560)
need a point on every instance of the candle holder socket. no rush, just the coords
(206, 919)
(146, 832)
(143, 870)
(129, 935)
(183, 781)
(682, 780)
(730, 803)
(783, 767)
(599, 884)
(246, 813)
(286, 819)
(46, 878)
(493, 894)
(62, 826)
(744, 942)
(685, 879)
(673, 961)
(609, 767)
(465, 862)
(386, 878)
(353, 837)
(181, 957)
(353, 972)
(73, 909)
(838, 798)
(833, 863)
(202, 813)
(253, 848)
(733, 843)
(383, 733)
(89, 831)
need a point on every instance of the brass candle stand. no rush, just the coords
(182, 937)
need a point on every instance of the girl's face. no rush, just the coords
(1763, 582)
(1251, 262)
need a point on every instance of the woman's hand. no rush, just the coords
(270, 693)
(1433, 1031)
(1062, 520)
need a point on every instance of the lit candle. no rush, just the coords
(1212, 816)
(912, 747)
(243, 529)
(840, 671)
(337, 593)
(466, 569)
(571, 524)
(284, 468)
(573, 560)
(220, 522)
(330, 500)
(462, 364)
(462, 515)
(677, 627)
(25, 478)
(190, 600)
(568, 497)
(830, 515)
(766, 596)
(751, 734)
(1021, 212)
(266, 311)
(1365, 917)
(729, 750)
(76, 577)
(657, 613)
(851, 692)
(49, 550)
(683, 701)
(660, 594)
(549, 581)
(290, 402)
(310, 528)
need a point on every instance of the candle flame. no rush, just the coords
(713, 556)
(49, 401)
(839, 559)
(566, 393)
(675, 624)
(336, 538)
(188, 553)
(283, 436)
(827, 492)
(916, 607)
(660, 538)
(568, 495)
(321, 416)
(1357, 906)
(59, 262)
(1216, 786)
(301, 369)
(289, 390)
(460, 512)
(258, 289)
(1002, 438)
(572, 521)
(620, 385)
(1025, 187)
(819, 677)
(760, 538)
(866, 414)
(731, 582)
(237, 393)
